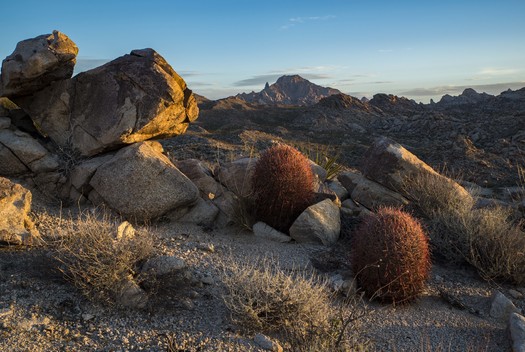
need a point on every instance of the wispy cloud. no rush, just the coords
(385, 50)
(494, 88)
(492, 72)
(298, 20)
(189, 73)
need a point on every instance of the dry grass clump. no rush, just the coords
(486, 238)
(297, 306)
(97, 258)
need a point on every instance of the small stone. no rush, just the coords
(5, 312)
(517, 332)
(262, 230)
(87, 316)
(206, 247)
(125, 231)
(163, 265)
(266, 343)
(502, 307)
(515, 294)
(187, 304)
(193, 294)
(132, 296)
(207, 280)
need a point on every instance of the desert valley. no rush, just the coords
(137, 215)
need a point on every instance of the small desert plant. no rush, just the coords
(97, 258)
(282, 185)
(486, 238)
(325, 156)
(391, 256)
(295, 305)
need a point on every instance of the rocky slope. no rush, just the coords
(476, 135)
(289, 90)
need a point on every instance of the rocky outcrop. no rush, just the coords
(130, 99)
(36, 63)
(289, 90)
(391, 165)
(392, 104)
(468, 97)
(59, 121)
(16, 228)
(141, 183)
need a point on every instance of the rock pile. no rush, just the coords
(79, 138)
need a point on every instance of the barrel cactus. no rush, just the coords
(390, 255)
(283, 186)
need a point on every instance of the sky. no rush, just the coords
(419, 49)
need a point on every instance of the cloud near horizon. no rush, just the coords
(493, 88)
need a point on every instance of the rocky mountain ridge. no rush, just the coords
(294, 90)
(289, 90)
(477, 135)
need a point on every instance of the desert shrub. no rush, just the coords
(283, 185)
(298, 306)
(391, 255)
(486, 238)
(95, 259)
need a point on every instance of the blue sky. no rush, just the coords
(420, 49)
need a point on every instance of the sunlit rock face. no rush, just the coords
(133, 98)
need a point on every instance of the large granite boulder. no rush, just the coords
(320, 222)
(141, 183)
(393, 166)
(133, 98)
(36, 63)
(16, 227)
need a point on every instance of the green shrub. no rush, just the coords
(390, 256)
(283, 186)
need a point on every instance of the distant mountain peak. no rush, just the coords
(289, 90)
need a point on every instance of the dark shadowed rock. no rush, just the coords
(21, 153)
(133, 98)
(36, 63)
(393, 104)
(141, 183)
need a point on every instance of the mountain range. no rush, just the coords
(294, 90)
(478, 135)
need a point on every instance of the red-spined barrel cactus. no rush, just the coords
(283, 186)
(390, 255)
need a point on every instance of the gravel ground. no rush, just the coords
(41, 311)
